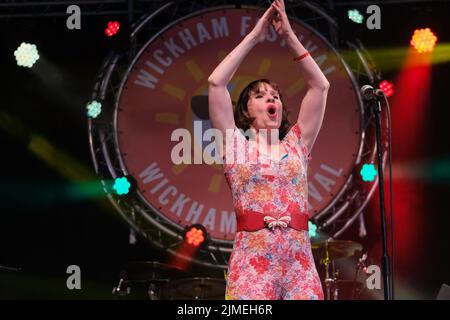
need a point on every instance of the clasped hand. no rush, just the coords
(276, 16)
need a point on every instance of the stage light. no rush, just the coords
(387, 87)
(355, 16)
(94, 108)
(121, 185)
(112, 29)
(312, 229)
(26, 55)
(368, 172)
(423, 40)
(196, 235)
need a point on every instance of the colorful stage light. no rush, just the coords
(312, 229)
(368, 172)
(112, 29)
(355, 16)
(387, 87)
(26, 55)
(121, 185)
(423, 40)
(195, 236)
(94, 108)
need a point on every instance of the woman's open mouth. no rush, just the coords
(272, 112)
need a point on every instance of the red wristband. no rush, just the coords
(300, 57)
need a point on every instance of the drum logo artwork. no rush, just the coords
(166, 89)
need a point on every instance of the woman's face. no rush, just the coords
(265, 105)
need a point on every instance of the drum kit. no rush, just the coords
(159, 281)
(329, 251)
(166, 282)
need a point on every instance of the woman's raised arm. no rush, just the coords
(219, 100)
(312, 109)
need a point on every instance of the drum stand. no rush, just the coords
(121, 291)
(153, 292)
(328, 281)
(154, 288)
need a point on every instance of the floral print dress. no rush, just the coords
(271, 263)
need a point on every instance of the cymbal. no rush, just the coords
(336, 248)
(150, 271)
(194, 288)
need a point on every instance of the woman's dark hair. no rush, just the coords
(240, 111)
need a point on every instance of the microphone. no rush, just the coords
(369, 93)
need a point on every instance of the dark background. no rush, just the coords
(43, 229)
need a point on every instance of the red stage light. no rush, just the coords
(387, 87)
(423, 40)
(195, 236)
(112, 29)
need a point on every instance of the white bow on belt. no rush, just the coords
(274, 222)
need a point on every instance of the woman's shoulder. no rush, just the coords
(294, 138)
(293, 132)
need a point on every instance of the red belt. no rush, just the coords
(249, 220)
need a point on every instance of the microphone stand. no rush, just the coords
(376, 108)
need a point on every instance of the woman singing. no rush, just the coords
(271, 257)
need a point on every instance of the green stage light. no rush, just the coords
(355, 16)
(94, 108)
(26, 55)
(121, 185)
(368, 172)
(312, 229)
